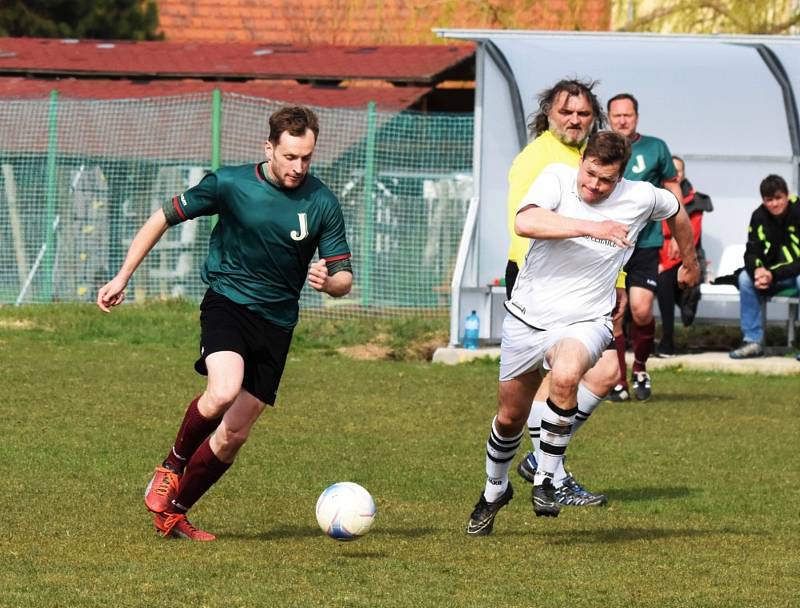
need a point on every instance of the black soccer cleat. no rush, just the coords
(544, 499)
(481, 521)
(573, 494)
(527, 467)
(641, 386)
(618, 394)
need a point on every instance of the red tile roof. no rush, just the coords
(407, 64)
(386, 98)
(367, 21)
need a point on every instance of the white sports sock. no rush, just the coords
(587, 403)
(555, 435)
(500, 452)
(535, 423)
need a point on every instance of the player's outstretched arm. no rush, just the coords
(113, 293)
(681, 228)
(336, 285)
(538, 223)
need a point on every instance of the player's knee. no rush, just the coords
(510, 420)
(564, 382)
(605, 379)
(216, 400)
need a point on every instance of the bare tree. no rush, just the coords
(709, 16)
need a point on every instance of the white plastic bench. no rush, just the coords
(732, 259)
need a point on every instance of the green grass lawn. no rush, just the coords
(703, 481)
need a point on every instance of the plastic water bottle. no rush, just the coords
(472, 327)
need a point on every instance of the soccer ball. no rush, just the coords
(345, 511)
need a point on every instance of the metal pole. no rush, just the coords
(369, 185)
(50, 198)
(216, 136)
(216, 128)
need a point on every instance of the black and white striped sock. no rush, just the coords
(555, 436)
(500, 452)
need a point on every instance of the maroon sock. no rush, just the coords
(202, 472)
(194, 430)
(619, 342)
(643, 337)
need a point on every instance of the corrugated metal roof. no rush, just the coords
(230, 61)
(386, 98)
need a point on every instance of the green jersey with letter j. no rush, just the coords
(651, 161)
(266, 236)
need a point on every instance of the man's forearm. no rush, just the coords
(339, 284)
(681, 228)
(537, 223)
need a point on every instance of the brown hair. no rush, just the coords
(295, 120)
(772, 185)
(622, 96)
(540, 121)
(609, 148)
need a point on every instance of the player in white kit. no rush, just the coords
(583, 224)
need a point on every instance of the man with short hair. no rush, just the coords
(650, 161)
(583, 223)
(771, 260)
(569, 112)
(273, 217)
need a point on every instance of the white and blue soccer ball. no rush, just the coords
(345, 511)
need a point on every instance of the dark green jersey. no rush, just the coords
(651, 161)
(265, 238)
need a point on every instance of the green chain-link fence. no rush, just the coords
(78, 178)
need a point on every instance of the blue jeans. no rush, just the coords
(750, 304)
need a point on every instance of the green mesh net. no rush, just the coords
(79, 177)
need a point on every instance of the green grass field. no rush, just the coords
(703, 481)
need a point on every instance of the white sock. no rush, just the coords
(500, 451)
(535, 423)
(555, 435)
(587, 403)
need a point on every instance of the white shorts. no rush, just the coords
(523, 348)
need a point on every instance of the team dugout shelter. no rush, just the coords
(726, 104)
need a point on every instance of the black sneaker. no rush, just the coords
(664, 351)
(619, 394)
(481, 521)
(544, 500)
(572, 494)
(641, 386)
(527, 467)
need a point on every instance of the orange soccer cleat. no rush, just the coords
(176, 524)
(161, 490)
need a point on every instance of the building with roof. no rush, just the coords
(394, 77)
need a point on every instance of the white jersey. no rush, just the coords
(565, 281)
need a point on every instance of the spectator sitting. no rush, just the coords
(669, 260)
(771, 260)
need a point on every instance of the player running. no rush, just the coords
(583, 224)
(273, 217)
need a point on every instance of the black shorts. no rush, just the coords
(264, 346)
(642, 269)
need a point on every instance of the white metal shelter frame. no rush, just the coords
(726, 104)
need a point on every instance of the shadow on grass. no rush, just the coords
(297, 532)
(648, 494)
(625, 535)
